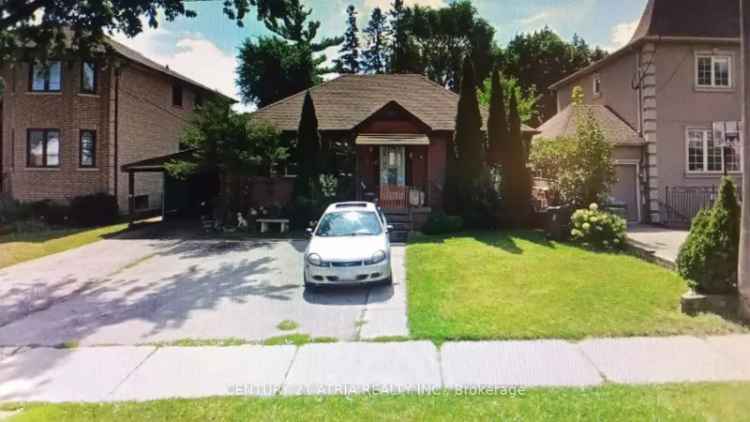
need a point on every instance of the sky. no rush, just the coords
(205, 47)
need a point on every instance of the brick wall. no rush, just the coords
(149, 125)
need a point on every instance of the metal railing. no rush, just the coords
(682, 203)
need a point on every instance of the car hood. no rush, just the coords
(346, 248)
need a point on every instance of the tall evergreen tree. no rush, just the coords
(404, 56)
(497, 124)
(517, 178)
(308, 148)
(468, 136)
(349, 60)
(375, 58)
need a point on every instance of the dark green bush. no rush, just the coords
(708, 259)
(12, 211)
(99, 209)
(441, 223)
(50, 212)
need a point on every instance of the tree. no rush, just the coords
(294, 26)
(53, 26)
(403, 55)
(527, 102)
(375, 56)
(270, 69)
(497, 123)
(468, 135)
(444, 37)
(516, 176)
(349, 61)
(307, 150)
(227, 143)
(539, 59)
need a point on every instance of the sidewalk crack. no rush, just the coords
(127, 377)
(288, 370)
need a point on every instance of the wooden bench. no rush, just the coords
(266, 222)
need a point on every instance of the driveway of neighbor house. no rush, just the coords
(133, 291)
(664, 243)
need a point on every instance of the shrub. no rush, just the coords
(50, 212)
(598, 229)
(99, 209)
(441, 223)
(708, 259)
(12, 211)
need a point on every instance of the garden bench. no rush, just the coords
(266, 222)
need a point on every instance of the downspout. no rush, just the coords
(116, 131)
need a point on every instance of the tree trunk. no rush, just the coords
(744, 261)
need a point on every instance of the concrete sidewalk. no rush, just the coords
(147, 373)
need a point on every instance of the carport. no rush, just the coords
(180, 197)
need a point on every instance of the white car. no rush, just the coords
(349, 246)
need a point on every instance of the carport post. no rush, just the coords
(131, 197)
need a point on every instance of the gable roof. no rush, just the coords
(702, 20)
(616, 130)
(132, 55)
(345, 102)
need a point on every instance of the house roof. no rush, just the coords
(699, 20)
(616, 130)
(345, 102)
(139, 58)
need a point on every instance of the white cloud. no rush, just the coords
(190, 54)
(561, 15)
(622, 33)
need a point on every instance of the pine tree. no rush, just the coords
(308, 148)
(517, 178)
(377, 31)
(468, 136)
(497, 124)
(349, 61)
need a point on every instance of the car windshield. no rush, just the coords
(349, 223)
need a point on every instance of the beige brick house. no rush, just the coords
(660, 99)
(68, 127)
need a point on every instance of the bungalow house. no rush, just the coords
(66, 128)
(668, 101)
(400, 127)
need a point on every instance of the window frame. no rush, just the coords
(714, 57)
(47, 78)
(45, 137)
(80, 149)
(177, 87)
(704, 170)
(96, 77)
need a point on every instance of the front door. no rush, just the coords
(625, 191)
(393, 190)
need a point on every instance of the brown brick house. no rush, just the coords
(399, 127)
(661, 99)
(67, 127)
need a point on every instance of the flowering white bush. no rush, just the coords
(598, 229)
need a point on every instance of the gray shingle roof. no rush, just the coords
(616, 130)
(344, 102)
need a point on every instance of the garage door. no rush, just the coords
(625, 190)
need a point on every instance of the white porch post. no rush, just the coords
(744, 264)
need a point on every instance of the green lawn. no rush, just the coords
(19, 247)
(499, 285)
(713, 402)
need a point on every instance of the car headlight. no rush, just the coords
(314, 259)
(376, 258)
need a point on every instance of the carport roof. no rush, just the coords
(156, 164)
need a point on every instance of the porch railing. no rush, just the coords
(682, 203)
(401, 197)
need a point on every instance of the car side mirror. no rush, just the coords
(308, 232)
(389, 227)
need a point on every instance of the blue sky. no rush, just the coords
(205, 47)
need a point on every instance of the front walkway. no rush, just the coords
(660, 242)
(147, 373)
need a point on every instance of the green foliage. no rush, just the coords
(348, 60)
(67, 25)
(516, 183)
(551, 157)
(527, 102)
(99, 209)
(375, 57)
(293, 25)
(50, 212)
(709, 256)
(440, 223)
(12, 211)
(307, 151)
(598, 229)
(404, 55)
(271, 69)
(497, 122)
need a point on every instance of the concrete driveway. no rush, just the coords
(133, 291)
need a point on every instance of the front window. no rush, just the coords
(88, 77)
(46, 77)
(704, 155)
(349, 223)
(87, 149)
(713, 71)
(43, 148)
